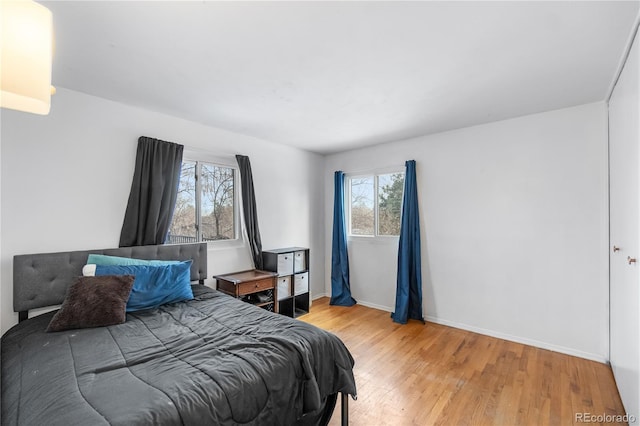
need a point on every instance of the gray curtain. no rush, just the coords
(153, 193)
(249, 210)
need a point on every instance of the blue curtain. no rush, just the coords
(340, 287)
(409, 283)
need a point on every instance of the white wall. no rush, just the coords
(514, 229)
(65, 180)
(514, 213)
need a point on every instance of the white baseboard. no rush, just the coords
(367, 304)
(492, 333)
(523, 340)
(374, 306)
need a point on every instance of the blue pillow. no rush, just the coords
(154, 285)
(102, 259)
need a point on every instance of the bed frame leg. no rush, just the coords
(345, 409)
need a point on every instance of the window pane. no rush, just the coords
(183, 225)
(390, 188)
(362, 211)
(217, 203)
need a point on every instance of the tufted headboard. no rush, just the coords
(41, 280)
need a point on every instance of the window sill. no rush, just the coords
(219, 244)
(383, 240)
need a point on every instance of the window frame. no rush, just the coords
(347, 202)
(199, 158)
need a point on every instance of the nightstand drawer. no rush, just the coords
(254, 286)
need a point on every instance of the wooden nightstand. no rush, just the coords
(256, 287)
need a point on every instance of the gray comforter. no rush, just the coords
(212, 360)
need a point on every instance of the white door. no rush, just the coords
(624, 143)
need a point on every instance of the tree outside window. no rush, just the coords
(362, 205)
(390, 193)
(205, 205)
(375, 204)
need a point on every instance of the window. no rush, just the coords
(206, 204)
(374, 204)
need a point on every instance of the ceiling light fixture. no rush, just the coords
(26, 52)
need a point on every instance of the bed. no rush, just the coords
(209, 360)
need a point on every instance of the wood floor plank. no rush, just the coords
(430, 374)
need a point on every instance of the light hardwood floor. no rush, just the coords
(417, 374)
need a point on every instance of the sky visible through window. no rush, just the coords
(368, 218)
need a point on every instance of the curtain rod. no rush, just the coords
(204, 151)
(398, 167)
(209, 156)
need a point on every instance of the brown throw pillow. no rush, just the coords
(93, 302)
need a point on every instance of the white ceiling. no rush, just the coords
(331, 76)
